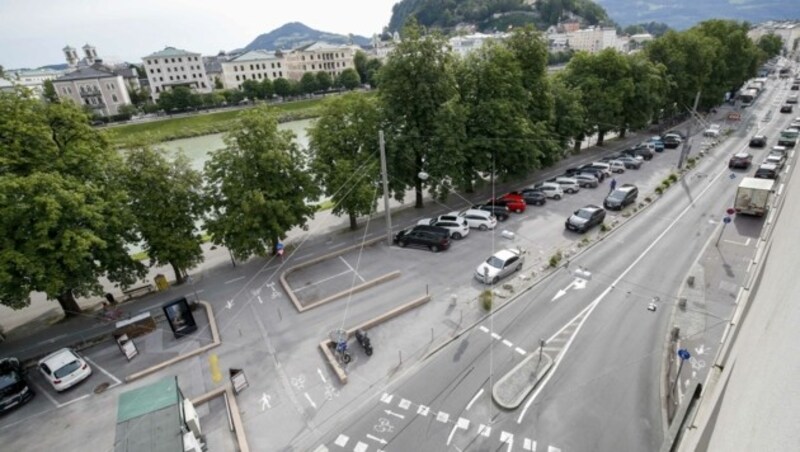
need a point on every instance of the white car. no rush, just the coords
(617, 166)
(500, 265)
(605, 166)
(64, 369)
(778, 150)
(550, 189)
(479, 219)
(457, 226)
(776, 159)
(569, 184)
(712, 131)
(586, 180)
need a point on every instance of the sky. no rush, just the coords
(33, 32)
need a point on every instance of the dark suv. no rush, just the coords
(741, 160)
(624, 194)
(585, 218)
(671, 142)
(432, 237)
(499, 212)
(642, 152)
(14, 390)
(758, 141)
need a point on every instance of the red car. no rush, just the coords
(514, 202)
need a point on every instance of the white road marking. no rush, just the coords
(745, 243)
(230, 281)
(352, 269)
(520, 351)
(442, 417)
(423, 410)
(386, 397)
(527, 444)
(553, 449)
(483, 328)
(375, 438)
(321, 448)
(474, 398)
(495, 336)
(342, 440)
(323, 280)
(321, 376)
(85, 396)
(116, 380)
(404, 404)
(462, 424)
(484, 430)
(260, 301)
(590, 308)
(780, 189)
(308, 397)
(507, 438)
(47, 394)
(392, 413)
(507, 343)
(360, 447)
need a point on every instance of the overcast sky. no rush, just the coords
(33, 32)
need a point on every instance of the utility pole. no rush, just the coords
(385, 179)
(686, 147)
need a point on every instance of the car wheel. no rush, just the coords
(541, 203)
(483, 227)
(495, 280)
(557, 197)
(401, 244)
(519, 267)
(503, 218)
(457, 236)
(434, 248)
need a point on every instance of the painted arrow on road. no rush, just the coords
(577, 284)
(701, 349)
(392, 413)
(374, 438)
(229, 304)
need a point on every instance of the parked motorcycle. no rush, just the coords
(363, 340)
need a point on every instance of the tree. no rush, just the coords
(138, 96)
(50, 92)
(218, 84)
(374, 66)
(64, 216)
(252, 90)
(180, 98)
(267, 90)
(308, 83)
(419, 95)
(324, 81)
(344, 154)
(348, 79)
(771, 44)
(360, 62)
(643, 102)
(257, 187)
(569, 113)
(166, 201)
(126, 111)
(282, 87)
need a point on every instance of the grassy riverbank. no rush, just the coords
(203, 123)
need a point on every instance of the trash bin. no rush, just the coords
(161, 282)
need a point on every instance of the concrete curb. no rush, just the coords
(355, 289)
(520, 373)
(326, 345)
(233, 411)
(288, 289)
(215, 342)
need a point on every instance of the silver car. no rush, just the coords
(500, 265)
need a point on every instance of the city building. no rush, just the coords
(319, 56)
(32, 79)
(594, 39)
(464, 45)
(97, 86)
(788, 31)
(257, 65)
(171, 67)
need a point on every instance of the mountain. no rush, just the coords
(490, 15)
(295, 34)
(683, 14)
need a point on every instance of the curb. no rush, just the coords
(509, 378)
(235, 417)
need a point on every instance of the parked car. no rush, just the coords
(792, 99)
(479, 219)
(676, 133)
(514, 201)
(795, 87)
(658, 144)
(622, 196)
(585, 218)
(630, 162)
(568, 184)
(672, 141)
(64, 369)
(617, 166)
(424, 238)
(644, 153)
(550, 189)
(712, 131)
(787, 108)
(776, 159)
(499, 212)
(586, 180)
(14, 389)
(457, 227)
(500, 265)
(782, 150)
(603, 166)
(767, 171)
(598, 173)
(532, 197)
(758, 141)
(741, 160)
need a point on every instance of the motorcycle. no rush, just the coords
(363, 340)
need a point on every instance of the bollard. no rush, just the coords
(400, 355)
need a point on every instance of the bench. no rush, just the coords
(141, 290)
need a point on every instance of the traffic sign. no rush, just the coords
(684, 354)
(732, 176)
(730, 211)
(726, 220)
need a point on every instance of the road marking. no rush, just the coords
(321, 448)
(495, 336)
(474, 398)
(321, 281)
(507, 343)
(360, 447)
(520, 351)
(213, 364)
(590, 308)
(375, 438)
(423, 410)
(321, 376)
(745, 243)
(442, 417)
(484, 329)
(308, 397)
(553, 449)
(404, 404)
(507, 438)
(462, 424)
(780, 189)
(230, 281)
(342, 440)
(527, 444)
(392, 413)
(352, 269)
(85, 396)
(386, 397)
(46, 394)
(116, 380)
(484, 430)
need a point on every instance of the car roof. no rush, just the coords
(58, 359)
(742, 155)
(768, 166)
(759, 136)
(506, 254)
(591, 207)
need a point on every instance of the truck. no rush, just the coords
(753, 196)
(788, 137)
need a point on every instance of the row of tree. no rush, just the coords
(70, 204)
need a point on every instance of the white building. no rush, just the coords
(253, 65)
(320, 56)
(788, 31)
(96, 86)
(594, 39)
(33, 79)
(173, 67)
(464, 45)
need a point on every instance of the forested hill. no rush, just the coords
(490, 15)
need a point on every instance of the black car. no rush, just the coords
(795, 87)
(671, 142)
(499, 212)
(585, 218)
(787, 108)
(741, 160)
(572, 171)
(624, 194)
(434, 238)
(531, 196)
(758, 141)
(594, 171)
(767, 171)
(14, 390)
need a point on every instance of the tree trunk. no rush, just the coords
(600, 135)
(622, 132)
(418, 193)
(69, 304)
(576, 147)
(353, 222)
(179, 279)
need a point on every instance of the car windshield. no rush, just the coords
(583, 213)
(618, 195)
(8, 380)
(495, 262)
(67, 369)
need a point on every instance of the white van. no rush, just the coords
(479, 219)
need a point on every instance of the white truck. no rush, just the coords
(753, 196)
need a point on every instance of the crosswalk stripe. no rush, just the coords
(529, 444)
(442, 417)
(483, 328)
(404, 404)
(386, 398)
(507, 343)
(360, 447)
(485, 430)
(342, 440)
(423, 410)
(520, 351)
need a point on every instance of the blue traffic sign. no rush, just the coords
(684, 354)
(732, 176)
(726, 220)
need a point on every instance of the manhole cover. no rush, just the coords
(101, 388)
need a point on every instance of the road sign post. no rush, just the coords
(684, 355)
(725, 220)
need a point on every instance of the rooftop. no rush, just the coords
(171, 52)
(255, 55)
(86, 73)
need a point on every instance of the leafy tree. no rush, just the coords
(50, 94)
(771, 44)
(127, 111)
(166, 201)
(267, 90)
(64, 216)
(308, 83)
(2, 71)
(324, 81)
(419, 95)
(257, 187)
(738, 59)
(180, 98)
(373, 68)
(233, 96)
(348, 79)
(212, 99)
(282, 87)
(138, 96)
(218, 84)
(569, 113)
(344, 148)
(360, 62)
(643, 102)
(252, 90)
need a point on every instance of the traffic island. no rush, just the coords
(511, 390)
